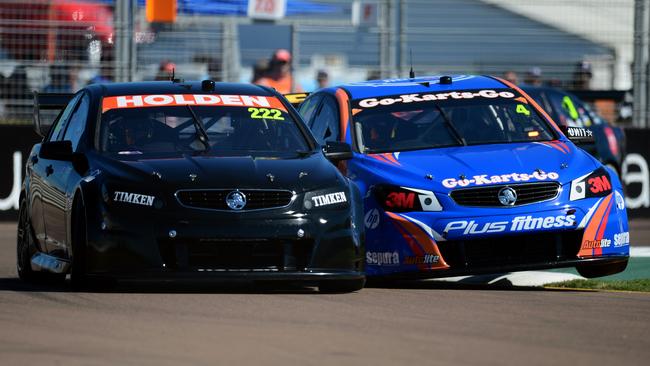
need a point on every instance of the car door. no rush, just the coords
(325, 123)
(308, 108)
(39, 172)
(61, 173)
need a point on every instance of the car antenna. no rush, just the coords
(411, 73)
(172, 77)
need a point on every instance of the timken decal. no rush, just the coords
(421, 97)
(329, 199)
(165, 100)
(135, 198)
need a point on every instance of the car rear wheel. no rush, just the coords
(341, 286)
(599, 270)
(78, 270)
(26, 248)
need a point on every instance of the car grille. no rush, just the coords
(488, 196)
(512, 250)
(237, 255)
(215, 199)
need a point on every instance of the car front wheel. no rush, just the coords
(341, 286)
(599, 270)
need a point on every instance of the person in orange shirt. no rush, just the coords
(279, 74)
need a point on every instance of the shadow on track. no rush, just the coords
(184, 287)
(242, 287)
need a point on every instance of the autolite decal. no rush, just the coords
(592, 244)
(134, 198)
(419, 97)
(425, 259)
(483, 179)
(163, 100)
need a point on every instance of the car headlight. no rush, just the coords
(401, 199)
(327, 199)
(594, 184)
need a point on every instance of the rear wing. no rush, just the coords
(47, 107)
(296, 98)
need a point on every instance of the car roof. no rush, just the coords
(426, 84)
(169, 87)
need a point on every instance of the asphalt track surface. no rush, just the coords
(414, 323)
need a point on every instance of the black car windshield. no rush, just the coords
(219, 125)
(424, 121)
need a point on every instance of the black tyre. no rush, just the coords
(24, 244)
(78, 269)
(26, 248)
(600, 270)
(341, 286)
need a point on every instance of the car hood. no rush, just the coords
(298, 174)
(479, 165)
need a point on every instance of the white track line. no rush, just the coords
(640, 251)
(526, 278)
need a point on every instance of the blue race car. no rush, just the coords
(466, 175)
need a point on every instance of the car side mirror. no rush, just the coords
(578, 135)
(337, 151)
(56, 150)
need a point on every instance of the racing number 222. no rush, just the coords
(266, 113)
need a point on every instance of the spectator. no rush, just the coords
(322, 79)
(165, 70)
(214, 66)
(18, 103)
(511, 76)
(260, 69)
(373, 75)
(105, 74)
(279, 74)
(60, 79)
(582, 76)
(534, 77)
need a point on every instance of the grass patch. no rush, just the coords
(642, 285)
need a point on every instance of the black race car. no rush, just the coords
(177, 180)
(569, 111)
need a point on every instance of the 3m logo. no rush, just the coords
(400, 200)
(599, 184)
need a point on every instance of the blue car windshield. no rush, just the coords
(157, 130)
(425, 121)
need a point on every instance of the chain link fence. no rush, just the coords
(61, 46)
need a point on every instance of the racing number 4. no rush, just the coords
(265, 113)
(522, 109)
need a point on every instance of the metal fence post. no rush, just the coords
(641, 62)
(295, 52)
(124, 44)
